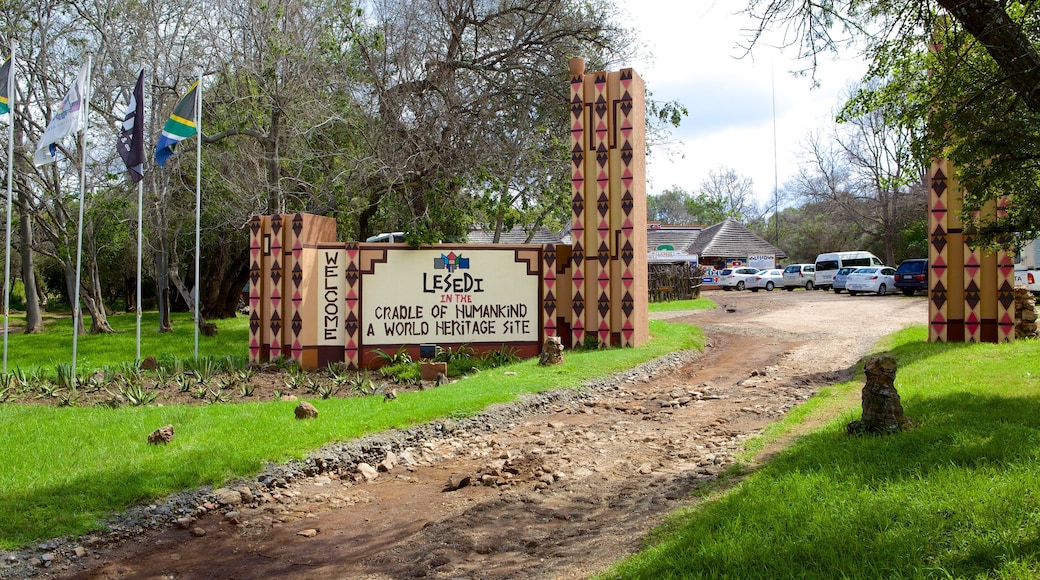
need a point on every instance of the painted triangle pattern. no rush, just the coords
(578, 145)
(352, 326)
(255, 272)
(549, 289)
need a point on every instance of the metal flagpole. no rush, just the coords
(10, 189)
(82, 200)
(140, 245)
(198, 207)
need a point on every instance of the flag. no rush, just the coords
(68, 120)
(131, 133)
(178, 127)
(5, 99)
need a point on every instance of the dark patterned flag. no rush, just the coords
(131, 133)
(178, 127)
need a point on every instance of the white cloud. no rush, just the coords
(695, 45)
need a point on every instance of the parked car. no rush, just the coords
(876, 279)
(912, 275)
(731, 278)
(798, 276)
(828, 264)
(767, 279)
(838, 282)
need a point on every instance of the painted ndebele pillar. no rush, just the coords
(608, 263)
(970, 289)
(319, 301)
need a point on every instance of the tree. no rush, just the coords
(979, 90)
(676, 206)
(865, 170)
(734, 193)
(454, 88)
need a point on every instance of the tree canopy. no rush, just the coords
(967, 71)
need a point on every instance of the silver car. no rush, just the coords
(767, 279)
(839, 279)
(876, 279)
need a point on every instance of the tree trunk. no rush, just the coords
(1005, 41)
(162, 282)
(182, 288)
(92, 299)
(33, 311)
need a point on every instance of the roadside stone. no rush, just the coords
(198, 532)
(457, 481)
(368, 472)
(388, 463)
(308, 533)
(306, 410)
(79, 551)
(185, 522)
(225, 496)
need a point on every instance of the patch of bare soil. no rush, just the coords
(559, 492)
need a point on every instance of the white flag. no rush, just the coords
(68, 120)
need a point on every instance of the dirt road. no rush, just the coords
(557, 493)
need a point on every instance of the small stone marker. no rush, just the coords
(552, 352)
(882, 411)
(161, 435)
(306, 410)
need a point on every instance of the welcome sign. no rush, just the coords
(452, 295)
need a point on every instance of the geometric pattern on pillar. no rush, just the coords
(970, 289)
(938, 253)
(1005, 283)
(256, 228)
(352, 344)
(295, 270)
(578, 139)
(599, 271)
(549, 289)
(276, 323)
(625, 240)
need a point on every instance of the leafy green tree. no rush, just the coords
(676, 206)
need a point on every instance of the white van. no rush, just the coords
(827, 265)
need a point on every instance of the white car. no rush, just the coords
(876, 279)
(767, 279)
(799, 276)
(731, 278)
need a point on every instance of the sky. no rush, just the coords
(694, 47)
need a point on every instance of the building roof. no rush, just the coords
(731, 239)
(679, 238)
(517, 235)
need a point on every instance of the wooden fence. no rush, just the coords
(674, 282)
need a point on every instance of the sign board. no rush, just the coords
(467, 295)
(764, 262)
(331, 316)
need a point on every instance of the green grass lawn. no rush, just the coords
(66, 469)
(697, 304)
(956, 497)
(95, 351)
